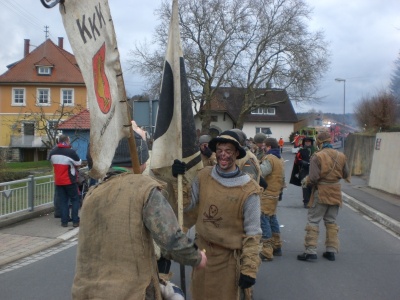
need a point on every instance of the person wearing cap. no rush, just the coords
(259, 141)
(301, 167)
(273, 171)
(228, 224)
(327, 167)
(207, 156)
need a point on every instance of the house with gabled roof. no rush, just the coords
(77, 128)
(36, 93)
(274, 115)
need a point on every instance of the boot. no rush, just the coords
(277, 244)
(329, 256)
(306, 256)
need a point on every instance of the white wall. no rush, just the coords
(385, 168)
(221, 124)
(278, 129)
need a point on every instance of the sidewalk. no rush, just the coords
(31, 235)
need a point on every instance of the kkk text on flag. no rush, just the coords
(90, 31)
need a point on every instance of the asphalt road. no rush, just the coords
(367, 267)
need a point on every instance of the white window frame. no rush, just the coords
(72, 97)
(263, 130)
(38, 92)
(270, 110)
(264, 111)
(44, 70)
(13, 103)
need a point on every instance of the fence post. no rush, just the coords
(31, 192)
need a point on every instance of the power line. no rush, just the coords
(25, 15)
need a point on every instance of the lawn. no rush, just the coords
(29, 166)
(18, 170)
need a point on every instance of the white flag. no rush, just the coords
(90, 31)
(175, 134)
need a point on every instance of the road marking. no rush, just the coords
(38, 256)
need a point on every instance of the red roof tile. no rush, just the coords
(65, 68)
(79, 121)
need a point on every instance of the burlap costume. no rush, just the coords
(209, 161)
(327, 167)
(115, 257)
(275, 180)
(220, 232)
(252, 159)
(271, 241)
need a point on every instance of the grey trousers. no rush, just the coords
(318, 212)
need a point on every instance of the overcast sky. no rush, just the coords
(363, 36)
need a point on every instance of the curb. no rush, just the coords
(14, 258)
(58, 240)
(380, 218)
(25, 215)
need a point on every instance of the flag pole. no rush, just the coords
(178, 96)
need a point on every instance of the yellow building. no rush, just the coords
(36, 93)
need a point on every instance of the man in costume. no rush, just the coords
(228, 224)
(327, 167)
(259, 141)
(301, 167)
(273, 171)
(119, 220)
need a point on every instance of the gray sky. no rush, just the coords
(364, 38)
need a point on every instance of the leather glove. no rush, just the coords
(164, 265)
(246, 282)
(178, 167)
(207, 152)
(263, 183)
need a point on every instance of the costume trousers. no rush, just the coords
(316, 213)
(67, 193)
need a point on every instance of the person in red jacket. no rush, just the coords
(65, 160)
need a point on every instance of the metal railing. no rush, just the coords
(25, 194)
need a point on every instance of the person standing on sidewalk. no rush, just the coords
(65, 160)
(273, 171)
(327, 167)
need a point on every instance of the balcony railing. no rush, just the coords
(27, 141)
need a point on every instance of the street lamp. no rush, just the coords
(344, 104)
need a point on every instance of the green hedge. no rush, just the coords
(8, 175)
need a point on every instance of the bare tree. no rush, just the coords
(46, 124)
(376, 113)
(251, 44)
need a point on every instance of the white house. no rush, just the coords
(275, 116)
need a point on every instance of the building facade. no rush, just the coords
(36, 93)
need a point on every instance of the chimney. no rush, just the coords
(26, 47)
(61, 42)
